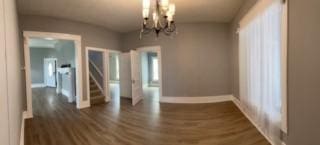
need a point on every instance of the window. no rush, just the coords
(117, 67)
(50, 69)
(260, 66)
(155, 69)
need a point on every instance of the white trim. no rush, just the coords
(284, 72)
(77, 40)
(196, 100)
(24, 117)
(38, 85)
(105, 73)
(155, 49)
(95, 81)
(84, 104)
(113, 51)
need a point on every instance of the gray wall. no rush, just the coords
(36, 59)
(11, 95)
(304, 72)
(196, 62)
(94, 36)
(64, 52)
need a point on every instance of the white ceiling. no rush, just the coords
(125, 15)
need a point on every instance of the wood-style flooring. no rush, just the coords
(57, 122)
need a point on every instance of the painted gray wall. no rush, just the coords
(304, 72)
(94, 36)
(64, 52)
(196, 62)
(36, 59)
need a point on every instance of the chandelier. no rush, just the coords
(162, 18)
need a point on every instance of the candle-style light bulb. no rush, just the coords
(155, 19)
(146, 4)
(145, 13)
(165, 4)
(172, 9)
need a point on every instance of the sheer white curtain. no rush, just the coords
(260, 67)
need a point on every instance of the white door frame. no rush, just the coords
(155, 49)
(56, 73)
(105, 72)
(27, 35)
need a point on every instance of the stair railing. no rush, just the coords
(97, 75)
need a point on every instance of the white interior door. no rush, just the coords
(50, 72)
(136, 77)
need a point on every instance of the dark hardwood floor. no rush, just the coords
(57, 122)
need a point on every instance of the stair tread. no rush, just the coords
(97, 100)
(97, 97)
(95, 90)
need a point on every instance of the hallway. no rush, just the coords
(57, 122)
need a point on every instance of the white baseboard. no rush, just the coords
(84, 104)
(127, 97)
(24, 117)
(195, 100)
(38, 85)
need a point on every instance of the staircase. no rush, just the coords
(96, 96)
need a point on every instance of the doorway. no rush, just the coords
(50, 72)
(97, 75)
(114, 74)
(54, 65)
(146, 74)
